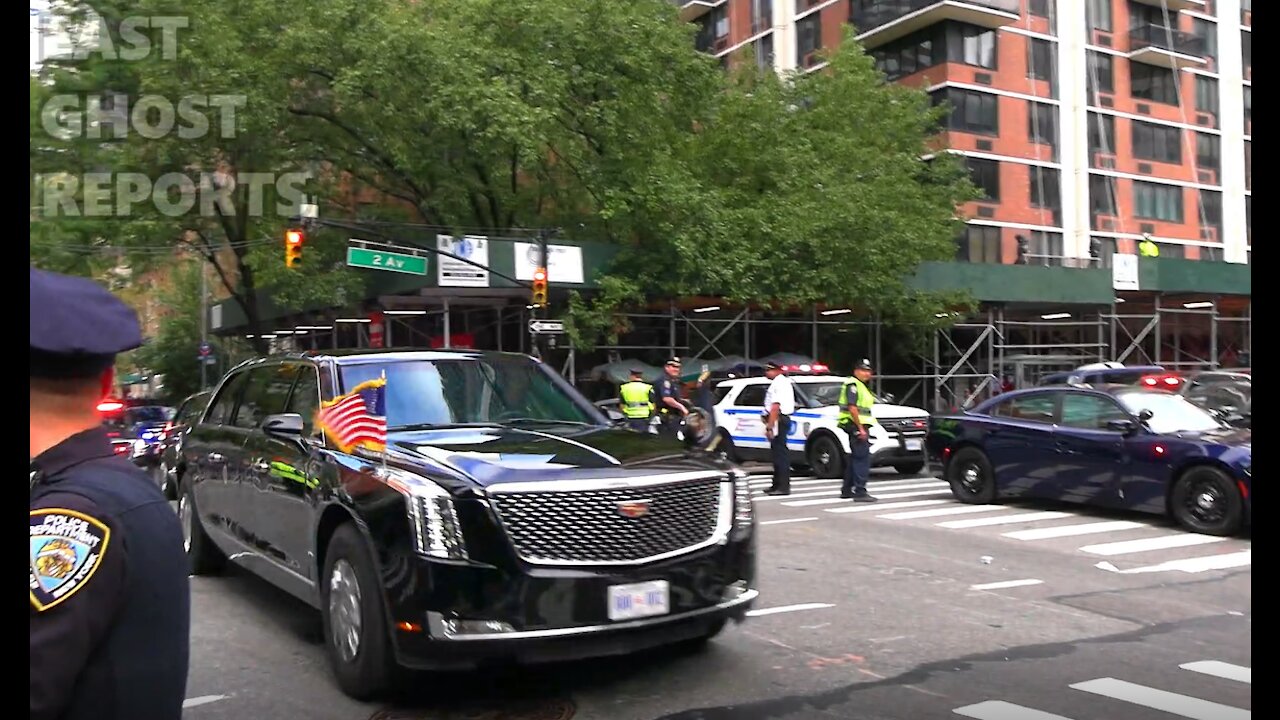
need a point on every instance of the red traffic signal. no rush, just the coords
(539, 288)
(293, 240)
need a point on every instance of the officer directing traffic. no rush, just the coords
(855, 403)
(779, 405)
(110, 602)
(670, 406)
(637, 401)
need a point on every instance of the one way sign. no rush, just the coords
(546, 327)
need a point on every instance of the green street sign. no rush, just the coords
(390, 261)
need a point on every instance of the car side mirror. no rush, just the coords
(888, 399)
(286, 425)
(1145, 415)
(1124, 426)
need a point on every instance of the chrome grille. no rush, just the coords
(906, 426)
(588, 526)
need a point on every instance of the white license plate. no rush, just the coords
(913, 444)
(639, 600)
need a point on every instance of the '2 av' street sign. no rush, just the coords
(383, 260)
(546, 327)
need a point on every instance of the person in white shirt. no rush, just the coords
(779, 404)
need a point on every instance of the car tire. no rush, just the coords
(971, 477)
(202, 553)
(826, 457)
(356, 632)
(1205, 501)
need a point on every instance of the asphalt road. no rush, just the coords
(911, 608)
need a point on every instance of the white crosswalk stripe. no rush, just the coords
(1003, 520)
(883, 506)
(883, 496)
(1073, 530)
(1164, 542)
(956, 510)
(1131, 694)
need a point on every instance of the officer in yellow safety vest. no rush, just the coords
(1146, 248)
(637, 402)
(855, 417)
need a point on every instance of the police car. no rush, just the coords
(815, 440)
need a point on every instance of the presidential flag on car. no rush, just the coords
(357, 419)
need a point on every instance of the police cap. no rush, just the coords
(674, 362)
(771, 365)
(863, 364)
(77, 327)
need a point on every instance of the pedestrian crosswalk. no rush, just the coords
(1139, 543)
(1123, 697)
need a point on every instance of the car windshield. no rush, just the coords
(433, 393)
(148, 414)
(824, 393)
(1169, 413)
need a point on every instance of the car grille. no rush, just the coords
(592, 526)
(906, 426)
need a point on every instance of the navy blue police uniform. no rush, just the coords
(669, 387)
(110, 599)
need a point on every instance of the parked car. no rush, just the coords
(1114, 373)
(508, 520)
(815, 441)
(145, 425)
(1114, 446)
(167, 450)
(1226, 392)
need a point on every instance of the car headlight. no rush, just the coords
(743, 509)
(433, 519)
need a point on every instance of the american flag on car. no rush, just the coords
(358, 418)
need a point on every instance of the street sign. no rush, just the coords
(546, 327)
(205, 349)
(452, 272)
(383, 260)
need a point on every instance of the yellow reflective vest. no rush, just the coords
(863, 400)
(637, 399)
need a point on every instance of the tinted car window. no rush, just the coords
(721, 392)
(266, 394)
(752, 396)
(1090, 412)
(306, 397)
(220, 414)
(1036, 408)
(148, 414)
(192, 408)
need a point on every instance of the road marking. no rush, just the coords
(1220, 669)
(797, 495)
(835, 490)
(1163, 700)
(1163, 542)
(1072, 530)
(1006, 584)
(883, 496)
(1001, 710)
(884, 506)
(792, 520)
(1003, 520)
(788, 608)
(202, 700)
(1188, 565)
(962, 510)
(769, 481)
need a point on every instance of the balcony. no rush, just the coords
(693, 9)
(884, 22)
(1157, 45)
(1175, 5)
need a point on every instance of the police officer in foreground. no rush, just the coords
(110, 602)
(670, 407)
(779, 406)
(855, 403)
(637, 401)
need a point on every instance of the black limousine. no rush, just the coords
(507, 520)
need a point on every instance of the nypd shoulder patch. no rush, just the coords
(66, 549)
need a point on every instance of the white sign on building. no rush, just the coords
(564, 263)
(455, 273)
(1124, 272)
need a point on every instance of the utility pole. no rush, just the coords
(204, 321)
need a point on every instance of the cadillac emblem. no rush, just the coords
(633, 508)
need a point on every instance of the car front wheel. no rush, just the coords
(1206, 501)
(356, 631)
(971, 477)
(826, 457)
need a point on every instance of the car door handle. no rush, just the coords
(214, 457)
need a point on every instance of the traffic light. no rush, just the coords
(293, 248)
(1023, 248)
(539, 287)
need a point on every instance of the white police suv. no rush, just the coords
(815, 440)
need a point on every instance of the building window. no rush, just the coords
(1044, 248)
(1102, 136)
(1246, 48)
(1157, 84)
(1161, 143)
(1152, 201)
(980, 244)
(1171, 250)
(1102, 195)
(1098, 14)
(761, 16)
(1041, 64)
(1211, 210)
(986, 175)
(1248, 219)
(808, 40)
(1042, 124)
(1211, 254)
(1207, 31)
(1208, 152)
(1046, 191)
(971, 111)
(1248, 107)
(1101, 74)
(1106, 250)
(974, 45)
(1248, 165)
(1206, 94)
(764, 52)
(936, 44)
(1039, 8)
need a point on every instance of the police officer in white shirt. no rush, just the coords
(779, 404)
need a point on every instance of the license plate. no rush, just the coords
(639, 600)
(913, 444)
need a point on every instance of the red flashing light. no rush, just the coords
(539, 275)
(1159, 450)
(107, 406)
(293, 237)
(919, 423)
(1167, 382)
